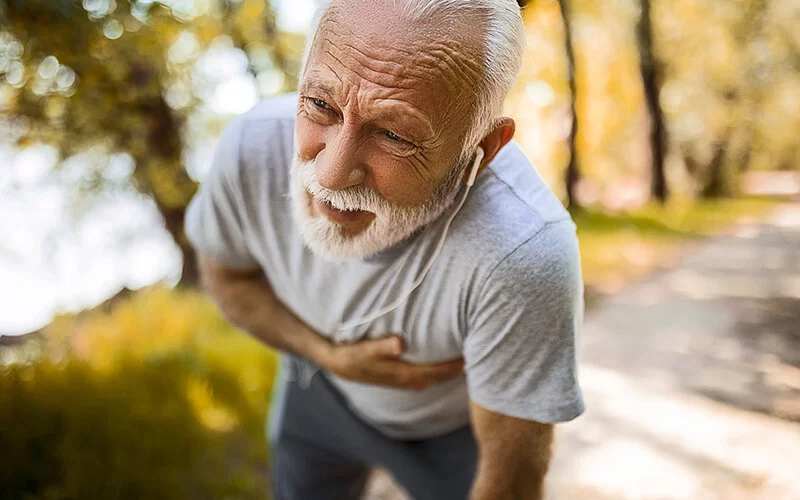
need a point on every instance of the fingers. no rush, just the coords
(437, 373)
(377, 362)
(389, 347)
(421, 376)
(446, 370)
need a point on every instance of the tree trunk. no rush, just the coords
(717, 184)
(164, 137)
(165, 148)
(650, 81)
(173, 222)
(747, 151)
(173, 217)
(573, 173)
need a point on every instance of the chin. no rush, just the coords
(329, 240)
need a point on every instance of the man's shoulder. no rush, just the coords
(543, 255)
(513, 217)
(517, 186)
(548, 258)
(267, 129)
(266, 137)
(256, 150)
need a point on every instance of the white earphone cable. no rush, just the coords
(394, 305)
(305, 371)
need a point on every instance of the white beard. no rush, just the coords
(390, 226)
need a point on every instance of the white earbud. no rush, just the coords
(479, 154)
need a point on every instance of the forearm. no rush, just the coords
(514, 456)
(249, 303)
(524, 483)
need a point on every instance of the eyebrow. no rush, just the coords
(316, 83)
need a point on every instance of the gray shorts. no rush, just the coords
(321, 450)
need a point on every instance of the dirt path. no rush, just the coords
(692, 379)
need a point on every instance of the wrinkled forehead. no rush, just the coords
(439, 60)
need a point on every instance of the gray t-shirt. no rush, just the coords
(506, 292)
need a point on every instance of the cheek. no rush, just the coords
(397, 180)
(309, 137)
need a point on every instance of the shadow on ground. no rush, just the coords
(764, 353)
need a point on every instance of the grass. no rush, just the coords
(623, 247)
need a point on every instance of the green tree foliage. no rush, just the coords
(117, 77)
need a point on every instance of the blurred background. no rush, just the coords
(671, 130)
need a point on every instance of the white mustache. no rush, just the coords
(352, 199)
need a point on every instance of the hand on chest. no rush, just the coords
(429, 320)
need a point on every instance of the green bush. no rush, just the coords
(159, 398)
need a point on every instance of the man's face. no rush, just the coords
(384, 108)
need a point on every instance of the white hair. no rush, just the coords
(503, 50)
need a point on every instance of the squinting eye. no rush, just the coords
(320, 104)
(397, 145)
(391, 135)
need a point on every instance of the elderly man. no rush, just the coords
(384, 233)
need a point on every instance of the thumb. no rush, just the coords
(391, 347)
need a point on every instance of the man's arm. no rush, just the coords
(514, 456)
(247, 300)
(521, 361)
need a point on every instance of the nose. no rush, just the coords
(338, 165)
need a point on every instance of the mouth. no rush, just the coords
(342, 217)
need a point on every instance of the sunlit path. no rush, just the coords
(693, 379)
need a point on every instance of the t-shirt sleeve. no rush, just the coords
(217, 216)
(520, 351)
